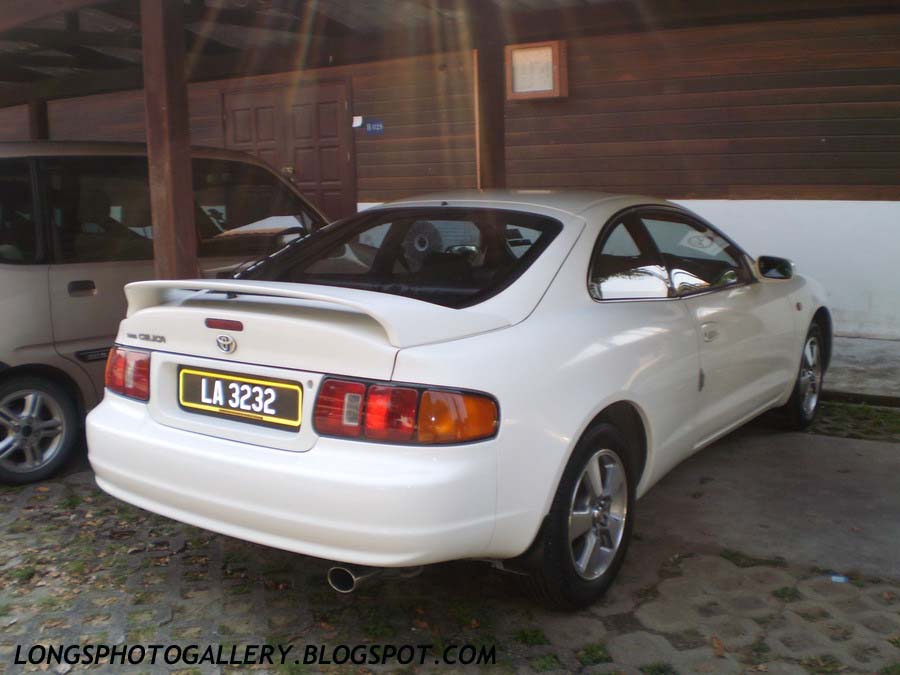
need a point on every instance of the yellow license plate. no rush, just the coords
(274, 403)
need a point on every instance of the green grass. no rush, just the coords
(858, 420)
(542, 664)
(593, 654)
(24, 574)
(743, 560)
(822, 665)
(787, 594)
(659, 668)
(894, 640)
(532, 637)
(893, 669)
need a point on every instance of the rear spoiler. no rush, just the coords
(406, 322)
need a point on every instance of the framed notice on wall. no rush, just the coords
(536, 70)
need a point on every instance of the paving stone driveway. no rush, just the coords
(78, 566)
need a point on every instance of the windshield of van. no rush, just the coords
(447, 256)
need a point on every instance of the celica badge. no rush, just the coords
(226, 343)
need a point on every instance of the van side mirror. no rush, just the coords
(772, 267)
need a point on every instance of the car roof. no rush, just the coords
(574, 202)
(107, 148)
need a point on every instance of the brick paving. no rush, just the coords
(78, 566)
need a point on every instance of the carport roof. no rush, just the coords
(59, 48)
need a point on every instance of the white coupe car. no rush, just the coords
(488, 375)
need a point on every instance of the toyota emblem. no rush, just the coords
(226, 343)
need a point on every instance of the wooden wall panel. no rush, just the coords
(14, 123)
(791, 109)
(427, 107)
(120, 117)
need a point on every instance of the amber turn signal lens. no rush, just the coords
(449, 417)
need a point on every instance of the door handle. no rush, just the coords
(710, 332)
(82, 287)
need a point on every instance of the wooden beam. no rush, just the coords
(38, 127)
(168, 140)
(19, 12)
(490, 97)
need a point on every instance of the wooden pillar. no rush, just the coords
(490, 96)
(38, 127)
(168, 139)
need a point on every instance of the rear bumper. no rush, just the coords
(349, 501)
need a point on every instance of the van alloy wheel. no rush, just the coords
(32, 430)
(599, 507)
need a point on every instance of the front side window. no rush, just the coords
(19, 242)
(241, 207)
(99, 208)
(626, 266)
(698, 258)
(451, 257)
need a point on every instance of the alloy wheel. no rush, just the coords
(32, 430)
(598, 509)
(810, 375)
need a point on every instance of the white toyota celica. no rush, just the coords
(488, 375)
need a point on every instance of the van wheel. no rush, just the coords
(587, 532)
(39, 428)
(800, 410)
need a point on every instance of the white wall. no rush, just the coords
(852, 248)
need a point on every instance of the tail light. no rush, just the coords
(128, 373)
(403, 414)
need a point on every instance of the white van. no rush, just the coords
(75, 227)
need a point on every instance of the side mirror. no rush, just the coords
(772, 267)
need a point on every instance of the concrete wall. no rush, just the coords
(852, 248)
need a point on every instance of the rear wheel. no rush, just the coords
(800, 410)
(39, 428)
(586, 535)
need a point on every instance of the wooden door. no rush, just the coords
(254, 123)
(302, 131)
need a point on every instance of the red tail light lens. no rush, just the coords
(128, 373)
(391, 413)
(403, 414)
(115, 370)
(339, 408)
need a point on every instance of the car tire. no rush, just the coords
(39, 428)
(800, 410)
(565, 575)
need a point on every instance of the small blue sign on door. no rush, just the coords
(375, 127)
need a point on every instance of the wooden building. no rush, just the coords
(685, 99)
(786, 100)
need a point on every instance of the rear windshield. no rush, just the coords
(451, 257)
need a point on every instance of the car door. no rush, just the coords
(744, 329)
(649, 325)
(99, 214)
(26, 334)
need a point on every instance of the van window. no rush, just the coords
(243, 205)
(18, 236)
(100, 208)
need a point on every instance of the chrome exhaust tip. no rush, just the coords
(347, 578)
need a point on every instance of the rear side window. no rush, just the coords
(626, 266)
(451, 257)
(18, 236)
(699, 258)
